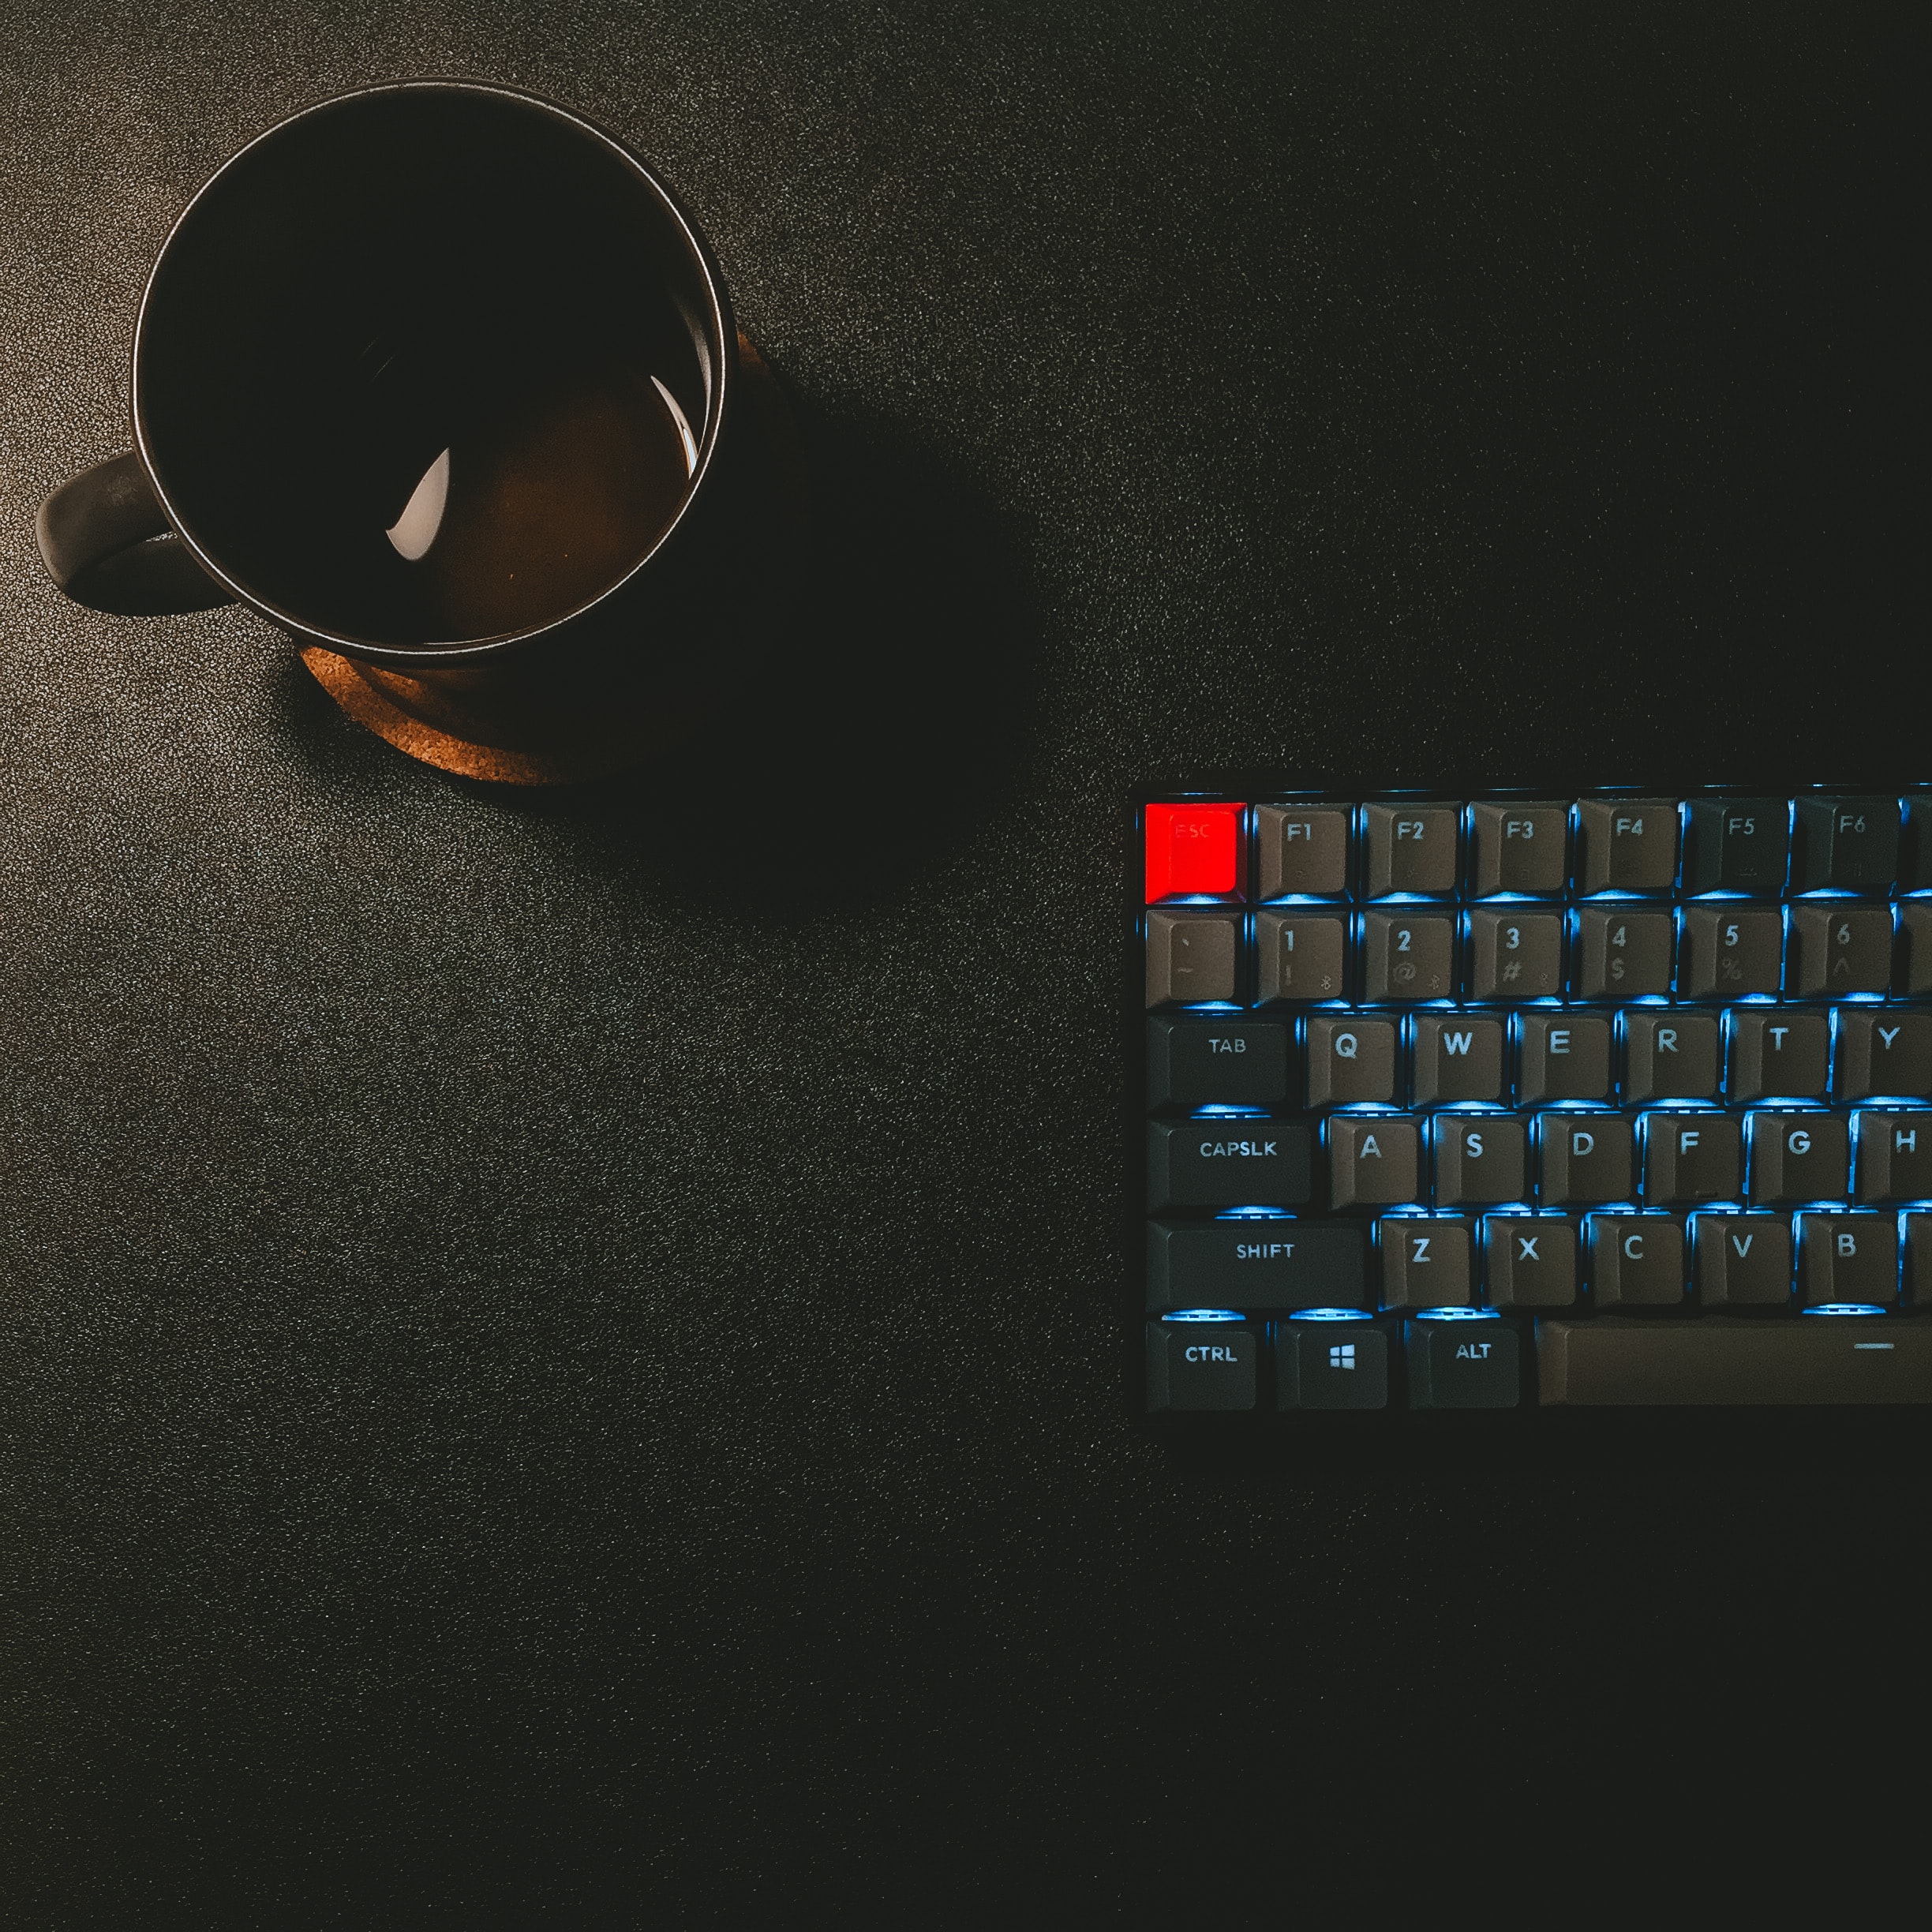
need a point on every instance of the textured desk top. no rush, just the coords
(562, 1353)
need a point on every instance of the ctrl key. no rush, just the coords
(1470, 1364)
(1197, 1365)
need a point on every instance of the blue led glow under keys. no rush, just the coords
(1330, 1314)
(1457, 1314)
(1203, 1315)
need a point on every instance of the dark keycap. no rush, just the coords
(1520, 849)
(1736, 844)
(1562, 1056)
(1635, 1261)
(1516, 955)
(1915, 922)
(1426, 1263)
(1583, 1158)
(1302, 848)
(1459, 1056)
(1847, 1259)
(1622, 954)
(1894, 1157)
(1918, 1259)
(1690, 1157)
(1412, 848)
(1481, 1159)
(1330, 1365)
(1851, 843)
(1628, 844)
(1462, 1364)
(1350, 1060)
(1374, 1160)
(1217, 1062)
(1528, 1262)
(1742, 1260)
(1798, 1157)
(1670, 1055)
(1299, 956)
(1200, 1365)
(1915, 847)
(1840, 949)
(1192, 956)
(1259, 1263)
(1620, 1363)
(1229, 1160)
(1884, 1052)
(1408, 957)
(1729, 951)
(1778, 1053)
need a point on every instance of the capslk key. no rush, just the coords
(1228, 1161)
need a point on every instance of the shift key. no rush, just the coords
(1264, 1262)
(1229, 1160)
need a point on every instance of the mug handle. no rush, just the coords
(107, 544)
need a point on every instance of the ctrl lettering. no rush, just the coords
(1203, 1352)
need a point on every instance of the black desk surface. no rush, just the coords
(558, 1357)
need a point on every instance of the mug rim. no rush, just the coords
(420, 657)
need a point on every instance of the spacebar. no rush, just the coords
(1822, 1359)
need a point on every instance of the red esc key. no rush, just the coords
(1193, 848)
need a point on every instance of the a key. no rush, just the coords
(1330, 1365)
(1350, 1061)
(1462, 1364)
(1742, 1261)
(1894, 1157)
(1850, 843)
(1885, 1052)
(1520, 849)
(1457, 1057)
(1619, 1364)
(1217, 1062)
(1303, 849)
(1374, 1160)
(1299, 956)
(1583, 1158)
(1426, 1263)
(1622, 954)
(1729, 952)
(1669, 1056)
(1528, 1262)
(1797, 1157)
(1635, 1261)
(1193, 848)
(1915, 924)
(1562, 1056)
(1690, 1157)
(1516, 955)
(1269, 1263)
(1737, 844)
(1406, 957)
(1229, 1160)
(1412, 848)
(1200, 1366)
(1480, 1159)
(1918, 1230)
(1776, 1054)
(1629, 844)
(1847, 1261)
(1191, 957)
(1840, 949)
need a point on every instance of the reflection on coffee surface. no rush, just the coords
(545, 503)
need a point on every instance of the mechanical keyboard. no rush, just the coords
(1532, 1099)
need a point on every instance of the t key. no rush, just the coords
(1776, 1051)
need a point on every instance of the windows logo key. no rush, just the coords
(1342, 1355)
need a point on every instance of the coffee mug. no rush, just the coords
(431, 375)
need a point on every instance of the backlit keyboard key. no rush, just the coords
(1636, 1261)
(1915, 843)
(1884, 1053)
(1528, 1262)
(1200, 1366)
(1480, 1159)
(1427, 1262)
(1840, 949)
(1730, 952)
(1797, 1157)
(1742, 1261)
(1690, 1157)
(1304, 849)
(1412, 848)
(1915, 924)
(1894, 1158)
(1670, 1055)
(1516, 955)
(1192, 849)
(1267, 1264)
(1738, 845)
(1562, 1056)
(1350, 1061)
(1847, 1261)
(1456, 1057)
(1583, 1158)
(1229, 1160)
(1851, 843)
(1623, 954)
(1628, 844)
(1776, 1052)
(1217, 1062)
(1520, 849)
(1408, 956)
(1918, 1275)
(1723, 1364)
(1299, 956)
(1374, 1160)
(1330, 1365)
(1191, 957)
(1462, 1364)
